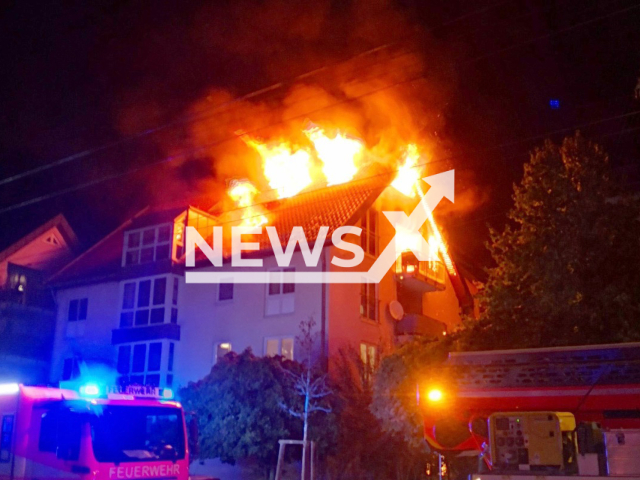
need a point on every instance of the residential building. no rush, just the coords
(27, 307)
(141, 323)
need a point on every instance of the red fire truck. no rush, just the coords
(571, 411)
(51, 433)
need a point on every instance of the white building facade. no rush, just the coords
(125, 313)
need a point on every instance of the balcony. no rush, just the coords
(416, 324)
(169, 331)
(419, 277)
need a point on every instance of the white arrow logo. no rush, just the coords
(406, 226)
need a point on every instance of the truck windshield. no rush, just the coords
(137, 434)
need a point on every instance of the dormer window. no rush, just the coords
(147, 245)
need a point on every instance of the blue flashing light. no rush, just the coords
(554, 103)
(167, 393)
(89, 390)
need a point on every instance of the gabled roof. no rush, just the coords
(104, 259)
(59, 222)
(333, 206)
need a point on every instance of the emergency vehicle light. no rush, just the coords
(89, 390)
(9, 388)
(167, 393)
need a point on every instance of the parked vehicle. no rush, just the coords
(571, 411)
(52, 433)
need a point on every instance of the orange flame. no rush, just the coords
(338, 154)
(243, 193)
(407, 181)
(408, 173)
(286, 169)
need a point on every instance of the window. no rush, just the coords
(149, 430)
(369, 235)
(143, 303)
(369, 357)
(147, 245)
(52, 240)
(280, 295)
(78, 309)
(6, 436)
(279, 346)
(140, 364)
(221, 350)
(225, 292)
(369, 301)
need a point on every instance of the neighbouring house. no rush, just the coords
(142, 324)
(27, 304)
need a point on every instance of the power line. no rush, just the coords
(283, 83)
(431, 162)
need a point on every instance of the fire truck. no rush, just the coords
(563, 412)
(51, 433)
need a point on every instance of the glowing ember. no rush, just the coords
(338, 154)
(243, 193)
(286, 170)
(408, 174)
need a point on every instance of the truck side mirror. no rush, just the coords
(194, 443)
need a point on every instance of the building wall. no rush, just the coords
(206, 322)
(88, 339)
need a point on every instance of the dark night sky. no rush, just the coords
(78, 75)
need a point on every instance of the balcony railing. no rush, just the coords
(420, 275)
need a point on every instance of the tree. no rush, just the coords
(567, 269)
(309, 384)
(395, 386)
(239, 409)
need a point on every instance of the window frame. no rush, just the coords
(163, 370)
(365, 294)
(280, 340)
(369, 367)
(126, 247)
(78, 302)
(168, 307)
(368, 233)
(216, 350)
(219, 290)
(280, 295)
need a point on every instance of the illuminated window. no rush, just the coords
(280, 295)
(144, 302)
(147, 245)
(369, 235)
(221, 350)
(369, 358)
(140, 363)
(78, 309)
(369, 301)
(279, 346)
